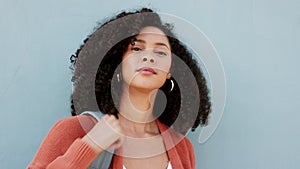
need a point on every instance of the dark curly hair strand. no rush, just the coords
(106, 41)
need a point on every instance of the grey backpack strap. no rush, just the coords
(97, 115)
(103, 160)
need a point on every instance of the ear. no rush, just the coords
(169, 75)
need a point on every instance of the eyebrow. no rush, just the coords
(157, 43)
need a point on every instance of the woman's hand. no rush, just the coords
(107, 133)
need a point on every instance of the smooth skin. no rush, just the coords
(145, 68)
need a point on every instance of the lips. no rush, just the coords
(147, 70)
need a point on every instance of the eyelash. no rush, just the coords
(161, 53)
(138, 49)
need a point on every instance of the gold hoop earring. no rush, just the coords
(172, 86)
(119, 77)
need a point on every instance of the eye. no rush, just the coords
(135, 48)
(161, 53)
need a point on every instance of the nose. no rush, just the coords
(148, 58)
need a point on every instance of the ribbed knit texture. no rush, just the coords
(63, 148)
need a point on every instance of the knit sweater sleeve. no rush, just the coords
(63, 147)
(191, 153)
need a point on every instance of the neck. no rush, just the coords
(136, 110)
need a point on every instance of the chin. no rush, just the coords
(146, 83)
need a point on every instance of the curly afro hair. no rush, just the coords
(95, 62)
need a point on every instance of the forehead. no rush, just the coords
(152, 30)
(153, 35)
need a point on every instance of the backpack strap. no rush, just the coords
(96, 115)
(103, 160)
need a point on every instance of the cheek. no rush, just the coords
(128, 68)
(165, 65)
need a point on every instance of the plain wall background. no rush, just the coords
(257, 40)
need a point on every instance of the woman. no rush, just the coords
(143, 67)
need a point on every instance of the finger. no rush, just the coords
(110, 119)
(115, 123)
(105, 117)
(117, 144)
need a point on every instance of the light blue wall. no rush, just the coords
(258, 42)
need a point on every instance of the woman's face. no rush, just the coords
(147, 61)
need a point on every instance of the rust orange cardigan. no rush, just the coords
(63, 148)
